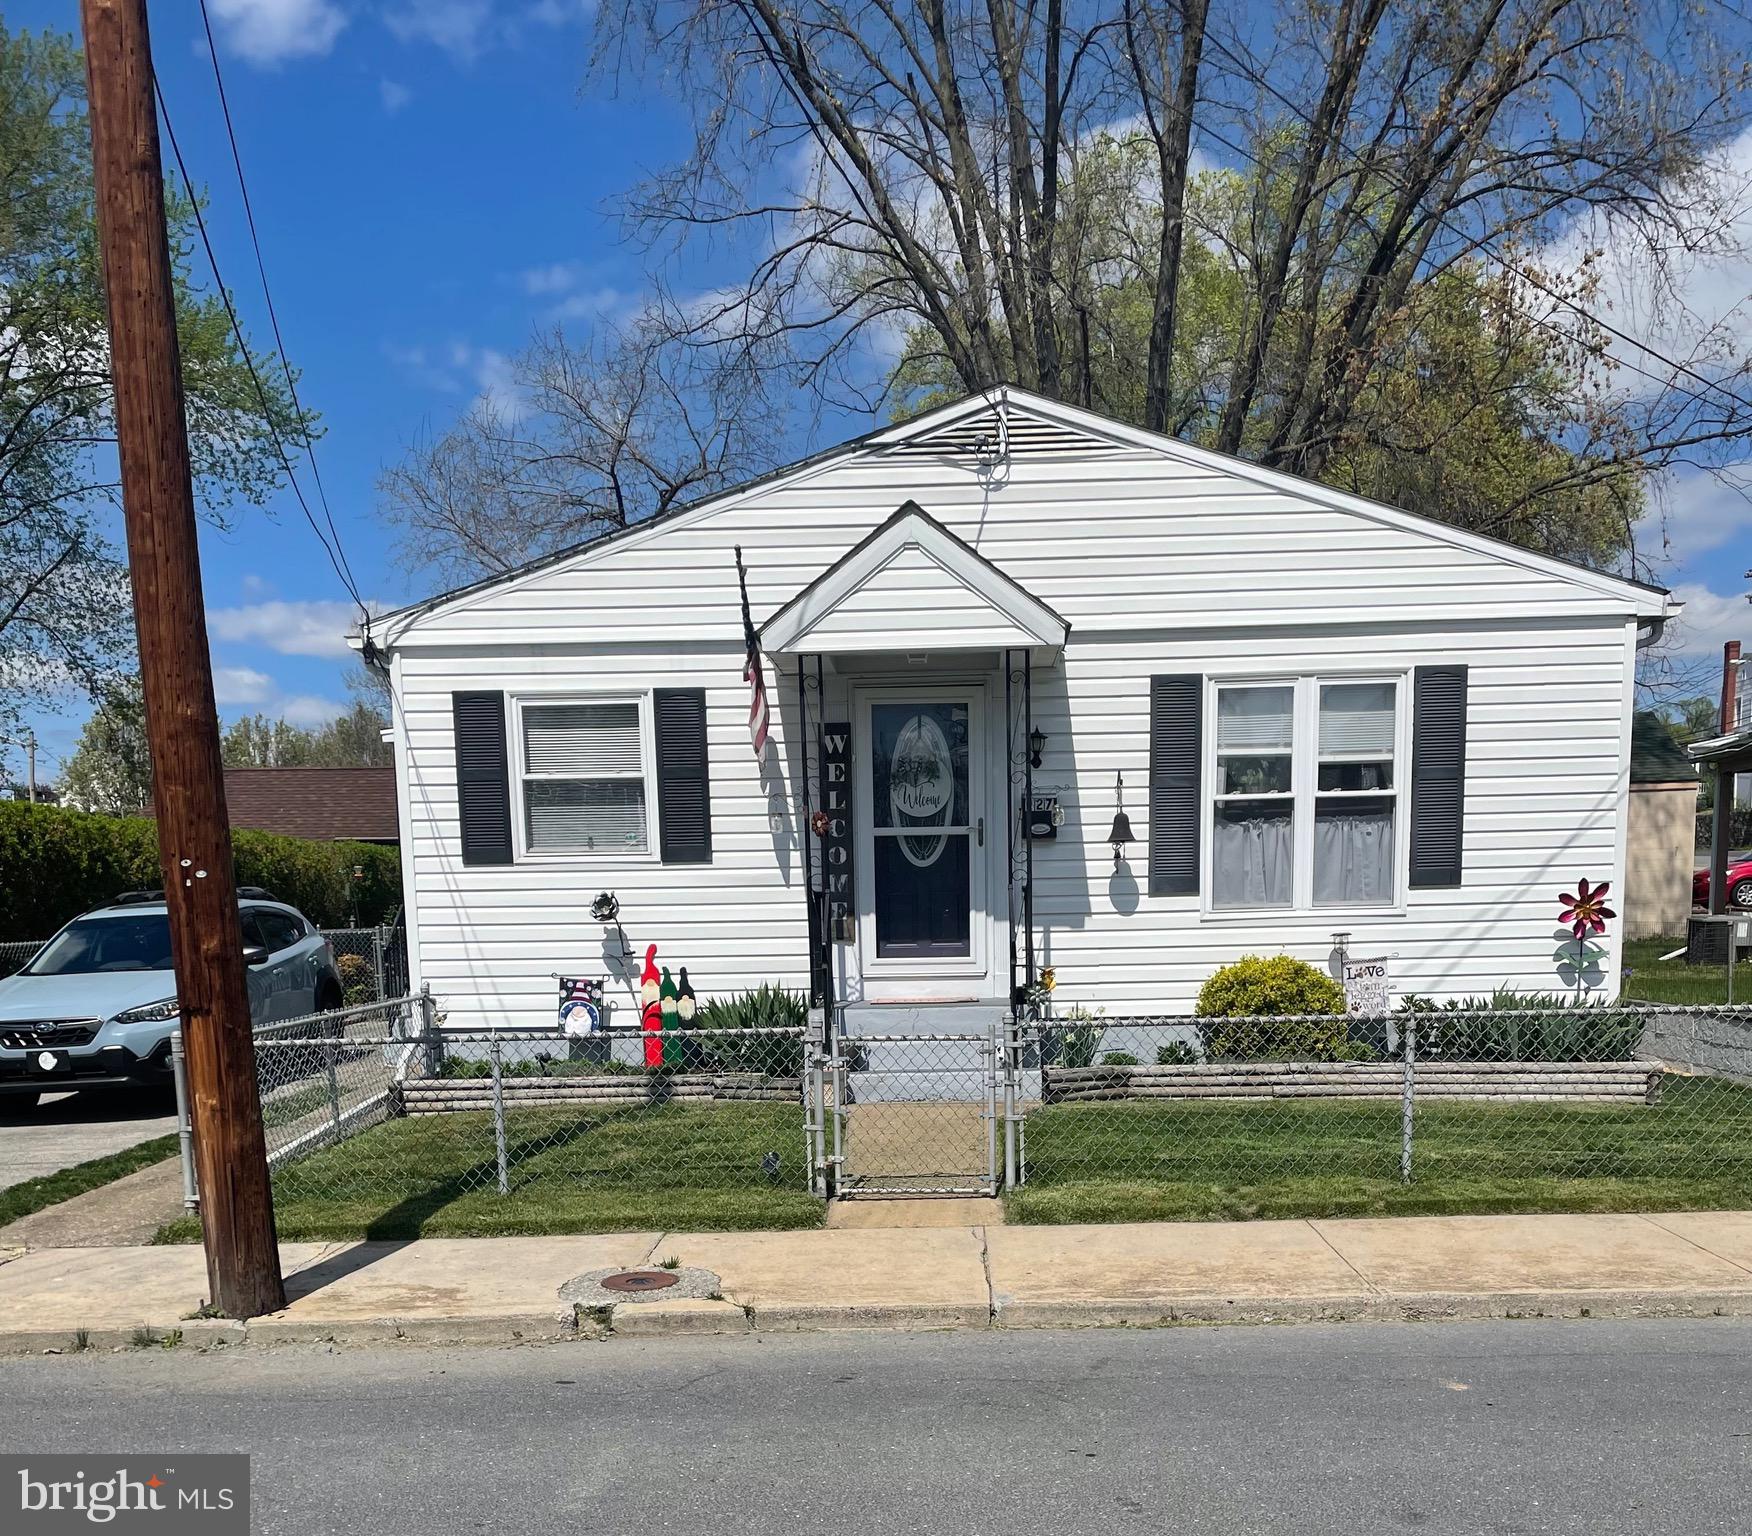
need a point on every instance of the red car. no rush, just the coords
(1739, 885)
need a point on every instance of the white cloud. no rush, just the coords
(308, 709)
(241, 685)
(272, 31)
(462, 28)
(1709, 619)
(1686, 295)
(1702, 512)
(292, 629)
(394, 95)
(555, 277)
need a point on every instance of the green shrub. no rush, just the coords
(1258, 987)
(1177, 1053)
(767, 1007)
(1119, 1059)
(56, 863)
(1523, 1026)
(1074, 1043)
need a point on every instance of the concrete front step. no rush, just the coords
(923, 1018)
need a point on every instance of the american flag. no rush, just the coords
(758, 717)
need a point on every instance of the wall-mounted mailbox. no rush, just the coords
(1042, 817)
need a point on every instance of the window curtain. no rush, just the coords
(1250, 859)
(1353, 858)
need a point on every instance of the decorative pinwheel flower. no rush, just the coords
(1586, 911)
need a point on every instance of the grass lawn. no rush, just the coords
(614, 1168)
(1650, 979)
(53, 1188)
(1189, 1161)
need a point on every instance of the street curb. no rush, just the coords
(727, 1318)
(900, 1318)
(1419, 1307)
(657, 1320)
(509, 1328)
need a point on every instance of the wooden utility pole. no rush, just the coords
(182, 727)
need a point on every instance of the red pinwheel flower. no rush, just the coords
(1586, 911)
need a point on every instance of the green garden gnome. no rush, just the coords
(667, 997)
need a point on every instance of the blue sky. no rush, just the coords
(432, 180)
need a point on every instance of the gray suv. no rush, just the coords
(96, 1006)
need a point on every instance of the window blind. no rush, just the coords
(1356, 720)
(604, 815)
(582, 740)
(1255, 719)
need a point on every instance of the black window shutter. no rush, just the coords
(1438, 775)
(684, 790)
(1176, 730)
(483, 777)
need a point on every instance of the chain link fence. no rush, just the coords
(380, 1120)
(15, 955)
(1436, 1108)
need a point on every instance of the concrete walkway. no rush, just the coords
(971, 1276)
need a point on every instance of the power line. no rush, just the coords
(267, 293)
(1252, 70)
(249, 361)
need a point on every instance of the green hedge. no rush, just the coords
(55, 864)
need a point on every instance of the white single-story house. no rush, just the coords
(984, 634)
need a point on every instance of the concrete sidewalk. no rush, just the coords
(970, 1276)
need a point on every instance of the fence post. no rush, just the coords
(184, 1131)
(1407, 1095)
(429, 1042)
(495, 1054)
(334, 1082)
(377, 961)
(1012, 1066)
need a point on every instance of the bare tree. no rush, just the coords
(591, 434)
(910, 164)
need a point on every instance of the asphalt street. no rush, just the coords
(1589, 1427)
(69, 1128)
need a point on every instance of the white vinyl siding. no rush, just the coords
(584, 775)
(1161, 567)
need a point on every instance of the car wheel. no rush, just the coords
(1741, 896)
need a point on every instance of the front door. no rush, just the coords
(923, 904)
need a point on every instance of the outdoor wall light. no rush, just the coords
(1122, 832)
(1036, 745)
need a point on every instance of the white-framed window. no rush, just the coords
(1305, 776)
(585, 775)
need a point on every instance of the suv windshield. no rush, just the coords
(140, 942)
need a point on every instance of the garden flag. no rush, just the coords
(580, 1005)
(758, 718)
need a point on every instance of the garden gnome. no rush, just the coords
(650, 1010)
(686, 1009)
(670, 1050)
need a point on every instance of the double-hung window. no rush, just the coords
(1357, 791)
(1254, 832)
(1305, 793)
(584, 775)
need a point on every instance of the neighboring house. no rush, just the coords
(328, 804)
(1329, 716)
(1661, 855)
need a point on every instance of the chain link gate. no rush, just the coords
(913, 1114)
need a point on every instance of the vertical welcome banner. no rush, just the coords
(836, 844)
